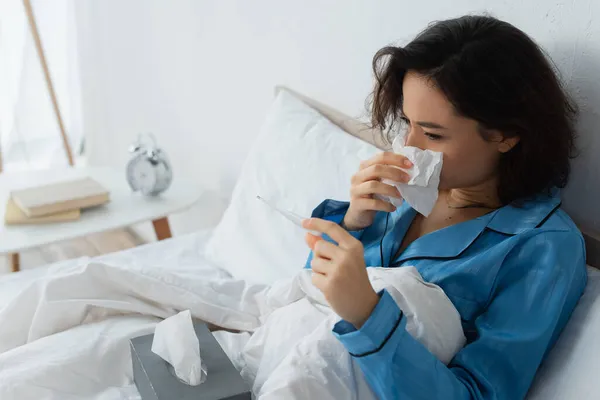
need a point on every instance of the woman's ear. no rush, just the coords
(507, 144)
(503, 142)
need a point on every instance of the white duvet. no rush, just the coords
(66, 335)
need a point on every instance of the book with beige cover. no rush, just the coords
(59, 197)
(13, 215)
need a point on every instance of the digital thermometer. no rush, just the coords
(290, 216)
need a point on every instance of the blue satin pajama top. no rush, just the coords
(514, 275)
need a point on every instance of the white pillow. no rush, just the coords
(298, 160)
(571, 369)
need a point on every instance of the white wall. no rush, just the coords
(200, 74)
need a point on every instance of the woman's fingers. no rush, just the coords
(366, 189)
(311, 240)
(374, 204)
(321, 266)
(322, 248)
(380, 171)
(319, 280)
(389, 158)
(334, 231)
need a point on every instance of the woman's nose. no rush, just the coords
(412, 139)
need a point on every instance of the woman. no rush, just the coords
(481, 92)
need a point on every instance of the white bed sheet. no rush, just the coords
(569, 371)
(182, 252)
(185, 249)
(65, 335)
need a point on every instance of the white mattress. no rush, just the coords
(571, 369)
(569, 372)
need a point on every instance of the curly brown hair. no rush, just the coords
(493, 73)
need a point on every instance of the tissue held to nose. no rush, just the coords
(421, 191)
(175, 341)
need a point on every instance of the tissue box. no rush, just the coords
(155, 381)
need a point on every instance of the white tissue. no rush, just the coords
(175, 341)
(421, 191)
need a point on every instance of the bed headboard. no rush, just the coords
(361, 130)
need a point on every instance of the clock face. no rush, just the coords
(142, 175)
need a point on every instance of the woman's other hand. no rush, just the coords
(367, 182)
(339, 271)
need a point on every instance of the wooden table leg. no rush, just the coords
(15, 262)
(162, 228)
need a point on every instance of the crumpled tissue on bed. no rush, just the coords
(421, 191)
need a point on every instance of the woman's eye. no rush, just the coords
(433, 136)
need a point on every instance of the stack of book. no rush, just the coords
(58, 202)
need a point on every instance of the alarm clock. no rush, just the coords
(149, 170)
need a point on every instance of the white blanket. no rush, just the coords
(65, 336)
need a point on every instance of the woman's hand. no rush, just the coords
(367, 182)
(340, 271)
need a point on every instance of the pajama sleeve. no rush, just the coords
(534, 294)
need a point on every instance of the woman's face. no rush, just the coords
(433, 124)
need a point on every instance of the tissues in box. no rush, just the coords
(156, 381)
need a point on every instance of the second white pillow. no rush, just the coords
(299, 159)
